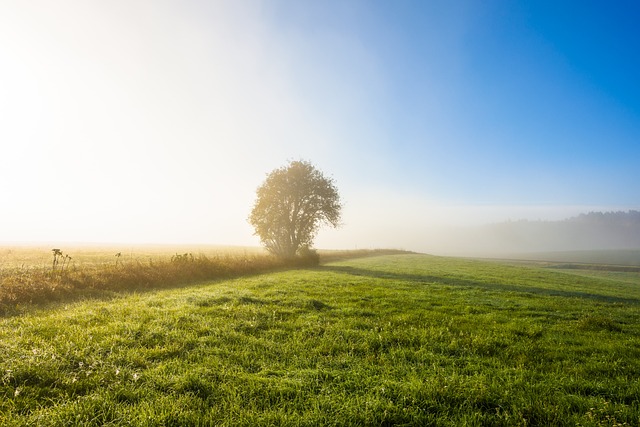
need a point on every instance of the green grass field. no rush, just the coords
(387, 340)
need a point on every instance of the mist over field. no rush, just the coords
(479, 231)
(586, 232)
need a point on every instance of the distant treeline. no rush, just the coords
(618, 218)
(593, 231)
(590, 231)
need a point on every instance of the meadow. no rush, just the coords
(403, 339)
(38, 276)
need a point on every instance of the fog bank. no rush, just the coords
(585, 232)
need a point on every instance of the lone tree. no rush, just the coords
(291, 205)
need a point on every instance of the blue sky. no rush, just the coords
(500, 102)
(155, 122)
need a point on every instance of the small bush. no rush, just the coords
(308, 257)
(182, 258)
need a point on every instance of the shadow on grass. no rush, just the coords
(96, 294)
(449, 281)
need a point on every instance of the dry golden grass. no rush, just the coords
(28, 275)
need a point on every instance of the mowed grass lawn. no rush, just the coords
(391, 340)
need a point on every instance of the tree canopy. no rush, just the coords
(291, 205)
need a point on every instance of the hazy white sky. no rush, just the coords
(154, 122)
